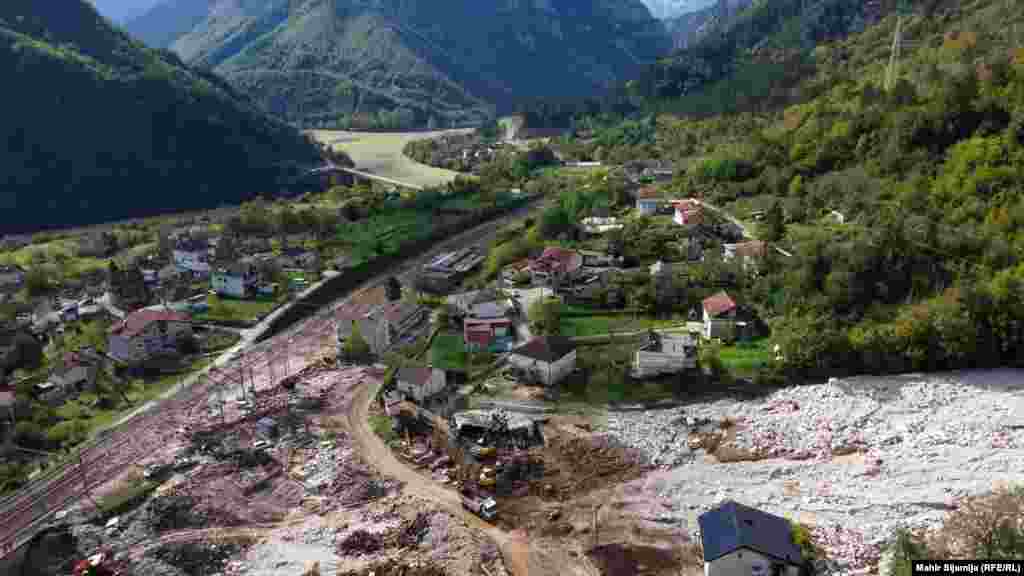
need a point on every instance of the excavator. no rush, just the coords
(95, 565)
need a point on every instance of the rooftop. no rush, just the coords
(718, 304)
(546, 348)
(136, 322)
(732, 526)
(482, 419)
(416, 376)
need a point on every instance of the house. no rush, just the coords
(555, 265)
(837, 217)
(493, 334)
(687, 212)
(599, 260)
(738, 539)
(146, 333)
(516, 271)
(380, 325)
(12, 277)
(747, 253)
(238, 280)
(648, 199)
(419, 384)
(547, 359)
(89, 308)
(76, 373)
(192, 255)
(665, 353)
(299, 258)
(719, 317)
(486, 303)
(522, 430)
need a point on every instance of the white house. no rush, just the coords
(665, 354)
(548, 359)
(238, 280)
(738, 540)
(192, 256)
(145, 333)
(419, 384)
(719, 317)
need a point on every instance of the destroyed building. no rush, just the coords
(497, 427)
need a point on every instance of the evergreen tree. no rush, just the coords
(393, 289)
(356, 349)
(774, 223)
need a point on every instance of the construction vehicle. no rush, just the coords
(485, 508)
(488, 477)
(94, 565)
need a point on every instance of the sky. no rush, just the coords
(121, 11)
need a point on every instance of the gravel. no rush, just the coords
(920, 444)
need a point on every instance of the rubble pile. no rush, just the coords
(413, 532)
(870, 453)
(396, 568)
(581, 464)
(360, 542)
(197, 558)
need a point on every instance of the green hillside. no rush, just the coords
(926, 269)
(99, 127)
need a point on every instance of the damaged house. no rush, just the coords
(665, 353)
(482, 426)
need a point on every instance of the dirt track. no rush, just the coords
(520, 559)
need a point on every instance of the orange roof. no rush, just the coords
(648, 192)
(718, 304)
(751, 249)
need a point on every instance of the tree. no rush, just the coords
(356, 349)
(37, 279)
(546, 315)
(774, 223)
(393, 289)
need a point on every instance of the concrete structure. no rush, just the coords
(237, 280)
(665, 354)
(381, 325)
(688, 212)
(719, 317)
(146, 333)
(594, 225)
(546, 359)
(447, 270)
(739, 540)
(555, 265)
(648, 200)
(523, 430)
(420, 384)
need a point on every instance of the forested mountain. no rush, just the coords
(691, 27)
(671, 9)
(898, 191)
(167, 21)
(98, 127)
(394, 63)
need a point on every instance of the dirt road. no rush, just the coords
(520, 559)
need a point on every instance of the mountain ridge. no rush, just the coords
(363, 63)
(101, 128)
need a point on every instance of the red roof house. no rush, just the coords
(556, 263)
(719, 316)
(145, 333)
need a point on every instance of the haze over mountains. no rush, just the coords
(321, 62)
(121, 11)
(99, 127)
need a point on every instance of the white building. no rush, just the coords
(547, 359)
(738, 540)
(236, 281)
(192, 256)
(665, 354)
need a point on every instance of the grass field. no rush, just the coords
(576, 321)
(231, 309)
(744, 358)
(381, 153)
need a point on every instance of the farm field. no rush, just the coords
(381, 153)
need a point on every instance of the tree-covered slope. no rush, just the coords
(323, 61)
(99, 127)
(902, 201)
(167, 21)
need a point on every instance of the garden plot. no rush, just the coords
(856, 459)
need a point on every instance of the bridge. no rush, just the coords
(361, 174)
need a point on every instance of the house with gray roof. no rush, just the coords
(738, 539)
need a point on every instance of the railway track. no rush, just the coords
(112, 451)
